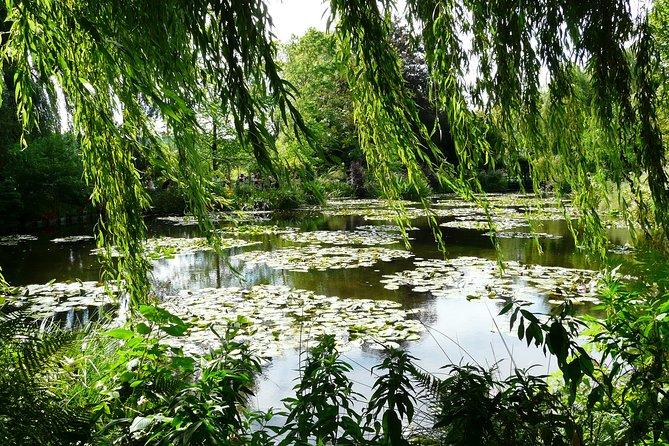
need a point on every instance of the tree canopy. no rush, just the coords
(517, 63)
(324, 100)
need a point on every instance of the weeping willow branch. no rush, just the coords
(558, 81)
(120, 62)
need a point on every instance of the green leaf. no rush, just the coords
(142, 328)
(120, 333)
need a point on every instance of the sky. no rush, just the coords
(296, 16)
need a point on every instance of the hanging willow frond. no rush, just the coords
(513, 67)
(521, 64)
(117, 62)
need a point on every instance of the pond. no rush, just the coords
(346, 268)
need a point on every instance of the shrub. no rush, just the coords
(494, 180)
(44, 180)
(168, 200)
(288, 196)
(30, 411)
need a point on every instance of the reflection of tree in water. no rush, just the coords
(208, 270)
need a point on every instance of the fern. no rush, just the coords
(427, 381)
(30, 412)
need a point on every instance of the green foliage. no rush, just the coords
(474, 407)
(335, 184)
(44, 180)
(210, 410)
(31, 412)
(140, 390)
(322, 410)
(104, 68)
(587, 131)
(659, 22)
(131, 387)
(621, 392)
(289, 195)
(393, 397)
(494, 181)
(167, 200)
(215, 61)
(324, 101)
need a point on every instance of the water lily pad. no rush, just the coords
(45, 300)
(377, 214)
(524, 235)
(232, 216)
(252, 230)
(483, 224)
(281, 318)
(366, 238)
(473, 277)
(384, 228)
(321, 258)
(11, 240)
(167, 247)
(73, 239)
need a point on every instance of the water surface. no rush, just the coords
(458, 330)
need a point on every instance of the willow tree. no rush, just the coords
(118, 60)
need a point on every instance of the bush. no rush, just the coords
(335, 184)
(288, 196)
(494, 181)
(167, 201)
(408, 192)
(44, 180)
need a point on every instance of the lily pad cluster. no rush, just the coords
(253, 230)
(366, 238)
(527, 200)
(551, 213)
(278, 318)
(46, 300)
(474, 277)
(483, 224)
(524, 235)
(372, 209)
(73, 239)
(302, 259)
(528, 205)
(503, 207)
(233, 216)
(384, 228)
(377, 214)
(464, 212)
(365, 203)
(168, 247)
(15, 239)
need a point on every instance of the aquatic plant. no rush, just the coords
(368, 237)
(167, 247)
(10, 240)
(247, 229)
(73, 239)
(46, 300)
(474, 277)
(279, 319)
(319, 258)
